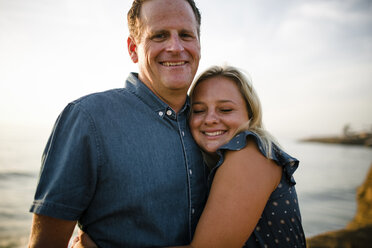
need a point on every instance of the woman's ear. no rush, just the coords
(132, 49)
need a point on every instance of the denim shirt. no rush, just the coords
(124, 165)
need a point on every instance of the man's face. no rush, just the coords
(168, 48)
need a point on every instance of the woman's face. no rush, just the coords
(218, 110)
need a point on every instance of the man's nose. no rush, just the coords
(175, 44)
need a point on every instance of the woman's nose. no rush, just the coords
(211, 118)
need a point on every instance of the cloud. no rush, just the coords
(336, 29)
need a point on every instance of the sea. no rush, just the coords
(327, 180)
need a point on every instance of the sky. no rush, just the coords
(310, 60)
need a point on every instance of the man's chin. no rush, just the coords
(178, 83)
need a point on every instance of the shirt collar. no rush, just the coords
(138, 88)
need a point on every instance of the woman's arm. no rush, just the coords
(240, 190)
(83, 241)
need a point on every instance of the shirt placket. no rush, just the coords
(182, 131)
(192, 179)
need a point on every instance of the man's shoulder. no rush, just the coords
(102, 103)
(108, 97)
(99, 96)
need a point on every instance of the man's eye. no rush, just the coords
(226, 110)
(158, 37)
(186, 36)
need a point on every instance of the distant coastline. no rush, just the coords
(363, 138)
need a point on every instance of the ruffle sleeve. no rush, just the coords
(281, 158)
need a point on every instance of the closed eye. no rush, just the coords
(197, 111)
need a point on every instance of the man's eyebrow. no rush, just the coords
(186, 30)
(161, 31)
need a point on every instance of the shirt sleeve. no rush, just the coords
(69, 170)
(279, 156)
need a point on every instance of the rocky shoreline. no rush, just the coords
(363, 138)
(358, 233)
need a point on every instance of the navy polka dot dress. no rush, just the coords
(280, 223)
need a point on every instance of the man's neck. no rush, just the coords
(174, 98)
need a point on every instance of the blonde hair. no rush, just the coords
(250, 96)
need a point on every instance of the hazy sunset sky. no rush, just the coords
(310, 61)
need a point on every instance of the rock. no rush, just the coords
(356, 238)
(358, 233)
(362, 138)
(363, 215)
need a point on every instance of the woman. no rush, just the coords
(252, 200)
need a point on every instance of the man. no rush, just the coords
(123, 162)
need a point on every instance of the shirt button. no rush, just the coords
(183, 133)
(169, 112)
(161, 113)
(190, 172)
(193, 211)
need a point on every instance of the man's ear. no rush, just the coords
(132, 49)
